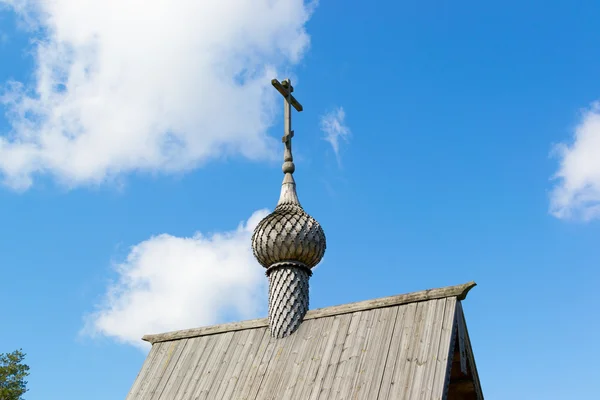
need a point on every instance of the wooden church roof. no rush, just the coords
(411, 346)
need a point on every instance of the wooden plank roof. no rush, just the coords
(398, 347)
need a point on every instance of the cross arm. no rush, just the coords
(284, 92)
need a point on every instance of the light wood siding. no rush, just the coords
(392, 352)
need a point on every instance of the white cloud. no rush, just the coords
(333, 125)
(577, 193)
(170, 283)
(155, 85)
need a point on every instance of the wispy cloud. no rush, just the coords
(169, 283)
(576, 194)
(124, 85)
(335, 129)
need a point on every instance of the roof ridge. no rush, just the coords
(458, 291)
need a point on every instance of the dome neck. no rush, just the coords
(288, 299)
(288, 191)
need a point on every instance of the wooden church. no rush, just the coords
(410, 346)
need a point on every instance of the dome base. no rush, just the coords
(288, 264)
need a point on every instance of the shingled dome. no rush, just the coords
(288, 235)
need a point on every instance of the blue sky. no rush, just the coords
(142, 144)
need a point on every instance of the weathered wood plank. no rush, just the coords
(193, 365)
(354, 357)
(204, 366)
(148, 363)
(432, 354)
(263, 369)
(305, 383)
(279, 361)
(295, 371)
(170, 388)
(404, 372)
(331, 354)
(153, 371)
(445, 351)
(225, 375)
(357, 329)
(420, 363)
(427, 360)
(459, 291)
(242, 364)
(411, 324)
(332, 377)
(253, 378)
(370, 375)
(215, 363)
(405, 315)
(169, 364)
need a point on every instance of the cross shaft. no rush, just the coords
(285, 88)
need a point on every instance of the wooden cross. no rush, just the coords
(286, 89)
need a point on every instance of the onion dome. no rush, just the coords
(288, 235)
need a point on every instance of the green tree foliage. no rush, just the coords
(12, 375)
